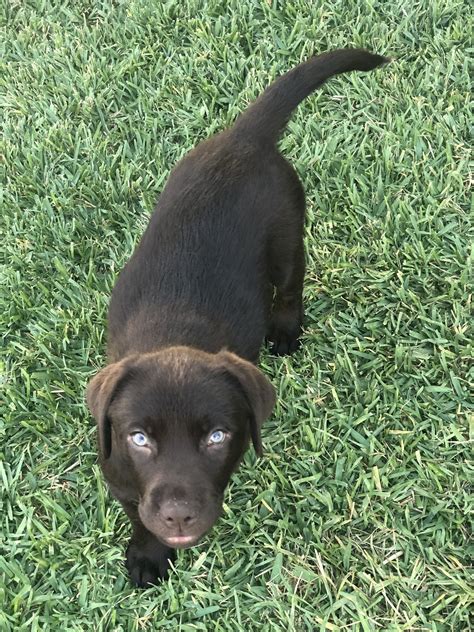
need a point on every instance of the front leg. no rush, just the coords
(147, 559)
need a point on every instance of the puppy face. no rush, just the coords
(173, 426)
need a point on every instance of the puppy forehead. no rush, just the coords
(181, 391)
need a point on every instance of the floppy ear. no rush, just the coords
(99, 393)
(258, 391)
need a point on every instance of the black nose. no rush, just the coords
(177, 514)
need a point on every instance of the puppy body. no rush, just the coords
(201, 276)
(219, 267)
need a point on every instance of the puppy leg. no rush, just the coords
(287, 313)
(147, 559)
(287, 267)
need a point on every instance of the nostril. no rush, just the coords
(177, 515)
(185, 520)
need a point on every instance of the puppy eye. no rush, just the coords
(139, 439)
(217, 437)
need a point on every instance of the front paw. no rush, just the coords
(148, 561)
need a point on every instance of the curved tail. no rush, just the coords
(268, 115)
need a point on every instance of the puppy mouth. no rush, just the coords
(178, 537)
(180, 541)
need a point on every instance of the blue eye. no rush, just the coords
(139, 439)
(216, 437)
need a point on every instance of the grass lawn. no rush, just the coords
(358, 516)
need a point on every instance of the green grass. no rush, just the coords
(358, 517)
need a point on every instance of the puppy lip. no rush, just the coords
(181, 541)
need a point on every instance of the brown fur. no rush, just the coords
(220, 267)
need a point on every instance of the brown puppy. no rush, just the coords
(219, 267)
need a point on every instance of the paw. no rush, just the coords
(148, 562)
(283, 344)
(284, 333)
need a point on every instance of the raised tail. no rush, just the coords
(268, 115)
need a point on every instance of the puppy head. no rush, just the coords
(173, 425)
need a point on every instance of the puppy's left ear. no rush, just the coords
(258, 390)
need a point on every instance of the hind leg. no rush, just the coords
(287, 267)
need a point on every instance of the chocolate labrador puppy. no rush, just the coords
(219, 267)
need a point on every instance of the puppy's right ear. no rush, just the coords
(99, 394)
